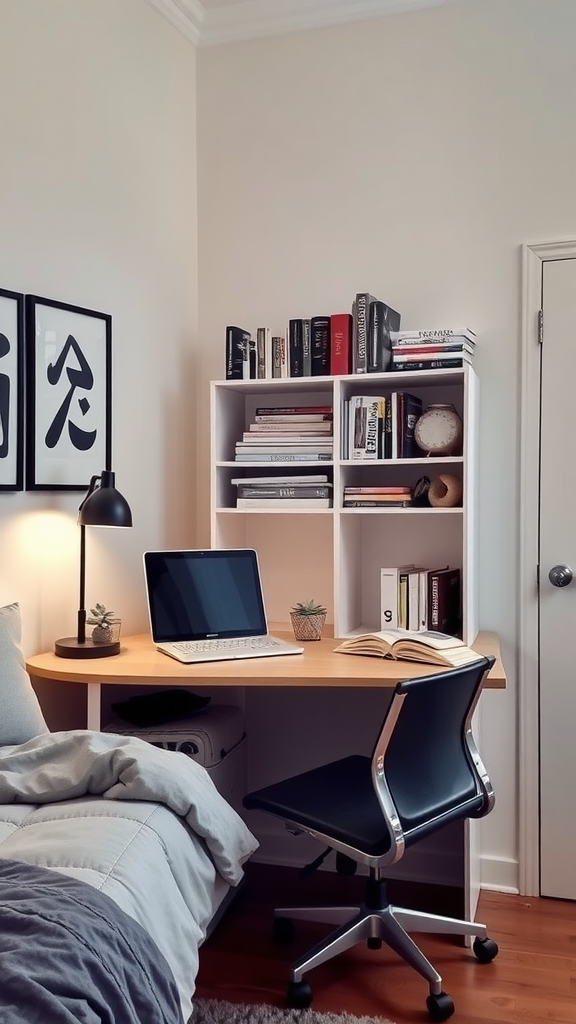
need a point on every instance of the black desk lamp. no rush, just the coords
(102, 505)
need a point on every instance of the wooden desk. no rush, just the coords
(140, 664)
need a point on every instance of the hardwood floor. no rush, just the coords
(532, 980)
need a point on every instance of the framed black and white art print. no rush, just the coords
(68, 376)
(11, 390)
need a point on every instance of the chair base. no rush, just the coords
(374, 922)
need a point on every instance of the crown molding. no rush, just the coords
(186, 15)
(254, 19)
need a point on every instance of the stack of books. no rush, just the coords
(295, 434)
(380, 427)
(377, 497)
(412, 597)
(432, 350)
(315, 346)
(283, 492)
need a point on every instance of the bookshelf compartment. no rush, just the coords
(335, 555)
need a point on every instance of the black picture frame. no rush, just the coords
(69, 394)
(11, 390)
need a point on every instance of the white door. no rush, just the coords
(558, 602)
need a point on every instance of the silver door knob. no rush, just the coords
(560, 575)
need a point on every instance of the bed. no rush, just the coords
(115, 857)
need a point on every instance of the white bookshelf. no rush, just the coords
(335, 555)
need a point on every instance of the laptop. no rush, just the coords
(208, 606)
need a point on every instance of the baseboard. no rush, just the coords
(499, 874)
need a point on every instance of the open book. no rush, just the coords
(404, 645)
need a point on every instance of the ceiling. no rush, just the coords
(210, 22)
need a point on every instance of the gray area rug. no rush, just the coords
(217, 1011)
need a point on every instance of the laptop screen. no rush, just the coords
(200, 595)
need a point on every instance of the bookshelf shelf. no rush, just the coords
(336, 553)
(275, 511)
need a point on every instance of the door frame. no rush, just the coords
(533, 259)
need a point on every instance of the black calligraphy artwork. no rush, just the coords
(11, 390)
(4, 400)
(79, 377)
(69, 394)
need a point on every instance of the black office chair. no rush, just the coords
(425, 772)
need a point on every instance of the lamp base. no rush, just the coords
(70, 647)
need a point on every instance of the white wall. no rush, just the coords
(409, 156)
(98, 208)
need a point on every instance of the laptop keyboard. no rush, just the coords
(252, 643)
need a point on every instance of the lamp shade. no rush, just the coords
(104, 505)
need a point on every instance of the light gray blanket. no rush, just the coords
(65, 765)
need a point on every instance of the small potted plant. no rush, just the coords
(308, 620)
(106, 627)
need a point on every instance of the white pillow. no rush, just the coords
(20, 714)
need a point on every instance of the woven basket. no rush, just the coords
(308, 627)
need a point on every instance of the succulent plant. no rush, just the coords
(101, 618)
(100, 615)
(308, 608)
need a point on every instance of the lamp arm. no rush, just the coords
(81, 606)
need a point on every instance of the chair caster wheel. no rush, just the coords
(485, 950)
(283, 930)
(374, 943)
(299, 995)
(440, 1007)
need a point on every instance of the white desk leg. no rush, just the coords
(93, 707)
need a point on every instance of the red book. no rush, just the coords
(340, 343)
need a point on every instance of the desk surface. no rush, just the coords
(140, 663)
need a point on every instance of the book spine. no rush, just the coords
(306, 349)
(320, 345)
(367, 503)
(237, 342)
(389, 598)
(402, 350)
(294, 410)
(321, 429)
(268, 357)
(439, 335)
(394, 425)
(381, 321)
(423, 599)
(412, 410)
(360, 346)
(387, 439)
(282, 457)
(290, 448)
(250, 364)
(261, 353)
(414, 600)
(404, 491)
(250, 504)
(340, 344)
(296, 350)
(444, 601)
(285, 491)
(430, 364)
(285, 354)
(276, 356)
(403, 600)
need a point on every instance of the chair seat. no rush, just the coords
(337, 799)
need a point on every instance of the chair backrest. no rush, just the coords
(426, 769)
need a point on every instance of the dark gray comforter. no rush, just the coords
(69, 954)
